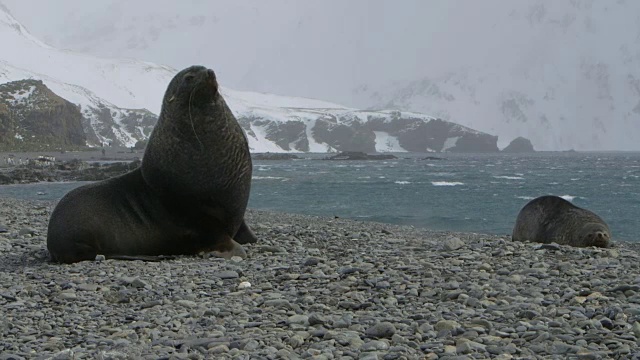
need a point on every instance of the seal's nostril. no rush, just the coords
(211, 73)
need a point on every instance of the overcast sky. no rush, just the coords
(309, 48)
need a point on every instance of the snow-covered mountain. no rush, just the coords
(570, 81)
(118, 99)
(562, 73)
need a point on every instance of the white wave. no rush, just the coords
(525, 197)
(403, 182)
(446, 183)
(509, 177)
(568, 197)
(269, 178)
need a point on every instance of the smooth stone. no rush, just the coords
(444, 325)
(381, 330)
(453, 243)
(374, 345)
(299, 319)
(227, 274)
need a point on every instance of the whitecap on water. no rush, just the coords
(525, 197)
(446, 183)
(509, 177)
(568, 197)
(403, 182)
(269, 178)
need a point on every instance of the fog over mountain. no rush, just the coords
(564, 73)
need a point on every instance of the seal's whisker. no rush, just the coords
(191, 118)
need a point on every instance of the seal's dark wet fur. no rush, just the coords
(548, 219)
(188, 196)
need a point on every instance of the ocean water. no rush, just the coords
(461, 192)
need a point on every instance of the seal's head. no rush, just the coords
(193, 86)
(595, 234)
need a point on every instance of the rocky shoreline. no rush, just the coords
(72, 170)
(320, 288)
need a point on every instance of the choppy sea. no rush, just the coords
(459, 192)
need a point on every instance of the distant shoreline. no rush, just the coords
(118, 154)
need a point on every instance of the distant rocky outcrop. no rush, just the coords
(331, 130)
(357, 155)
(519, 145)
(32, 117)
(274, 156)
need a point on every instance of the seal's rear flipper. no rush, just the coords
(245, 235)
(151, 258)
(229, 248)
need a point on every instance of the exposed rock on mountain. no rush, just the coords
(341, 129)
(33, 117)
(106, 124)
(519, 145)
(272, 129)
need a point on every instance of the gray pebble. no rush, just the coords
(228, 274)
(381, 330)
(453, 243)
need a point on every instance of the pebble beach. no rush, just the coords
(320, 288)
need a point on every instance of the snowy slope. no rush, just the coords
(570, 79)
(112, 94)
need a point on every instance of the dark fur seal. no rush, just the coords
(188, 196)
(548, 219)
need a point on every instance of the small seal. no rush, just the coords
(548, 219)
(188, 196)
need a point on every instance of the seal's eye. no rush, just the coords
(189, 77)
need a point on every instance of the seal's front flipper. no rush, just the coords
(229, 248)
(245, 235)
